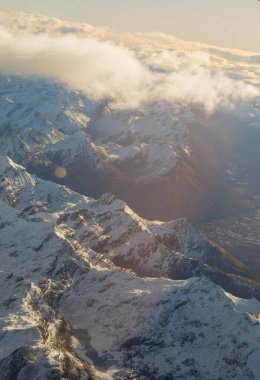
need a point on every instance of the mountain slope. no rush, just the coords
(67, 311)
(159, 152)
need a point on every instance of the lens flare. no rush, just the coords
(60, 172)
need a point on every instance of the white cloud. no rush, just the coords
(128, 79)
(170, 60)
(101, 69)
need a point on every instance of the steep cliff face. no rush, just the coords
(71, 310)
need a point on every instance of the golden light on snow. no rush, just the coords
(60, 172)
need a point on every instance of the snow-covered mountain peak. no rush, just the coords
(70, 309)
(90, 288)
(28, 193)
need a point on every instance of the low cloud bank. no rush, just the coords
(104, 70)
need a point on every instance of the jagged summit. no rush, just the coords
(84, 293)
(120, 155)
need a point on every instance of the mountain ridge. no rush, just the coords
(69, 312)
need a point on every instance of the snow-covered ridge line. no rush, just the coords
(67, 311)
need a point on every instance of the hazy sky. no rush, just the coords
(230, 23)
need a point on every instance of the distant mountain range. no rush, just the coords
(175, 153)
(116, 225)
